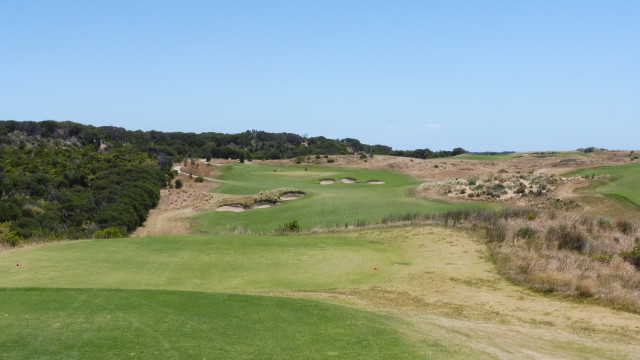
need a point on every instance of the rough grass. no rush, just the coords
(500, 157)
(121, 324)
(324, 205)
(565, 254)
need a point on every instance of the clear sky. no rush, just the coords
(482, 75)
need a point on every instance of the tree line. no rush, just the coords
(64, 180)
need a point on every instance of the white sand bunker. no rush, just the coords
(348, 181)
(327, 182)
(291, 196)
(376, 182)
(264, 205)
(232, 207)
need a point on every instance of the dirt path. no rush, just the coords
(451, 288)
(177, 207)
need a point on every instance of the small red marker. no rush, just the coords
(18, 264)
(376, 268)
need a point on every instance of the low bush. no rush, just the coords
(290, 227)
(109, 233)
(632, 257)
(525, 233)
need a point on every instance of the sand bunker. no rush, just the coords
(327, 182)
(233, 207)
(263, 205)
(375, 182)
(348, 181)
(291, 196)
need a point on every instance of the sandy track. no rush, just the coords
(177, 207)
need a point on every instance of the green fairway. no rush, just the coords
(202, 263)
(122, 324)
(336, 204)
(623, 184)
(126, 298)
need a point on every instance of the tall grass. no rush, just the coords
(565, 254)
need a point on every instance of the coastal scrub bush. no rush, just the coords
(290, 227)
(632, 256)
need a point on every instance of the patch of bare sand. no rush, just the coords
(177, 207)
(264, 205)
(348, 181)
(451, 288)
(327, 182)
(291, 196)
(232, 208)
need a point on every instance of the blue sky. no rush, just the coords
(483, 75)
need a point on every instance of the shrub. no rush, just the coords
(9, 211)
(531, 216)
(290, 227)
(567, 239)
(604, 258)
(586, 289)
(625, 227)
(632, 256)
(178, 184)
(109, 233)
(199, 179)
(299, 160)
(605, 223)
(330, 161)
(525, 233)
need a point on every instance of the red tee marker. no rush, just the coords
(18, 264)
(376, 268)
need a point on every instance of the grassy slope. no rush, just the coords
(622, 186)
(325, 205)
(202, 263)
(112, 323)
(119, 324)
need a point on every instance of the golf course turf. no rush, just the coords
(622, 185)
(139, 324)
(335, 205)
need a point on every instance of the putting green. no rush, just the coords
(623, 184)
(337, 204)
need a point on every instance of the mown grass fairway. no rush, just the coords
(337, 204)
(135, 324)
(203, 263)
(623, 184)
